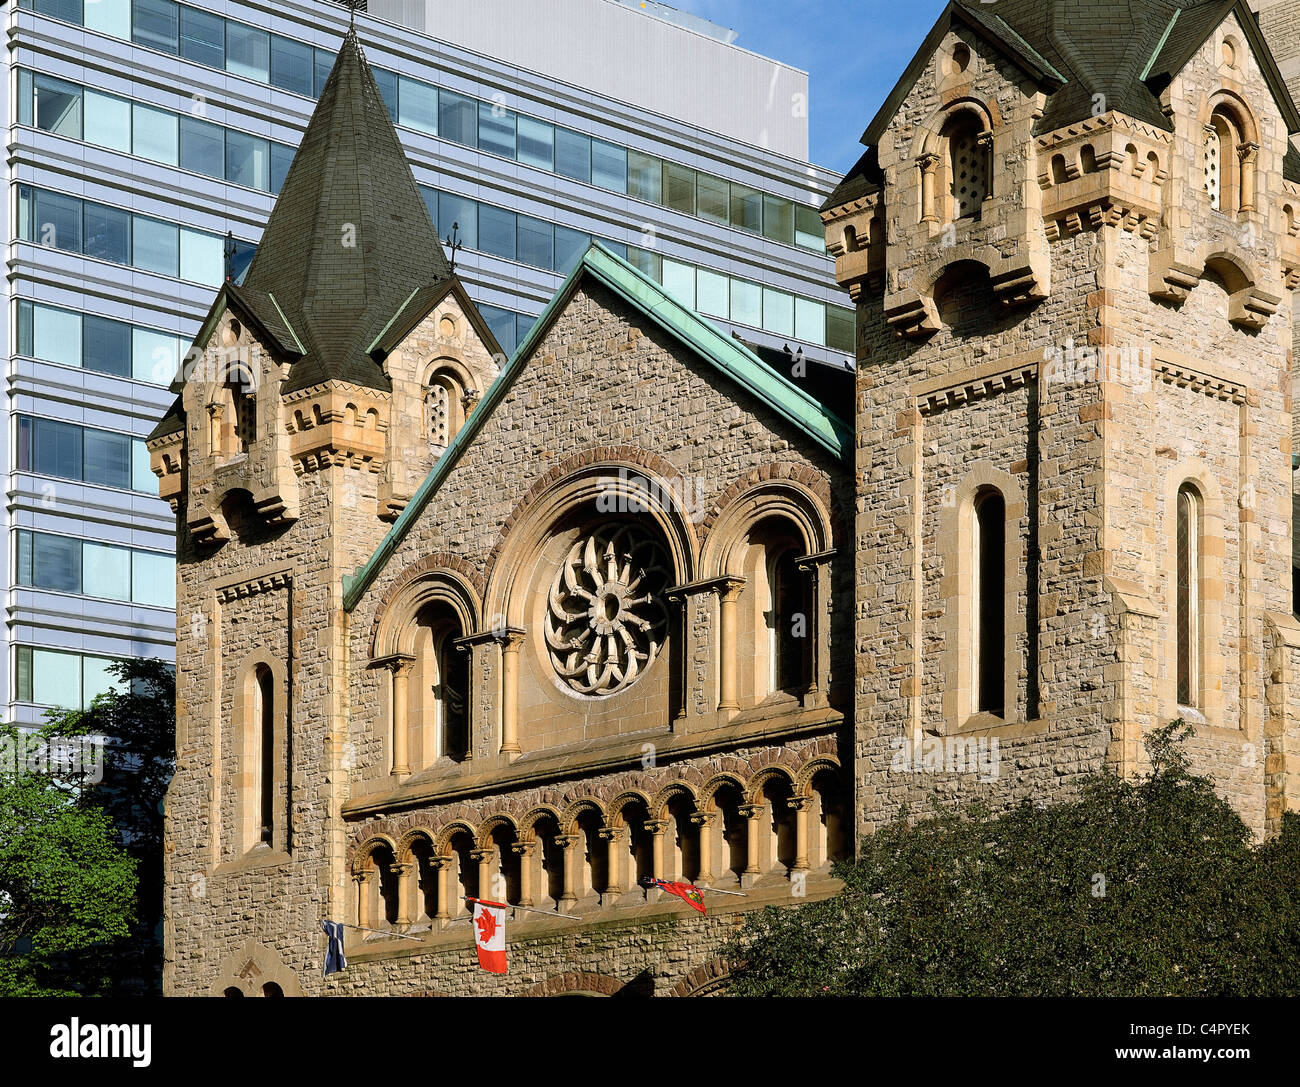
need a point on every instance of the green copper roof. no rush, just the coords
(648, 298)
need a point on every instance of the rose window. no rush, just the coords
(606, 620)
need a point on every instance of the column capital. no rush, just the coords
(611, 834)
(928, 162)
(567, 841)
(481, 855)
(1247, 151)
(523, 849)
(401, 868)
(703, 818)
(811, 562)
(657, 826)
(799, 803)
(361, 877)
(397, 663)
(723, 586)
(751, 811)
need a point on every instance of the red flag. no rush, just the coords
(685, 891)
(490, 935)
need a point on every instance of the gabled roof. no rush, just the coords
(1125, 51)
(349, 238)
(649, 299)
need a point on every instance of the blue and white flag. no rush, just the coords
(335, 960)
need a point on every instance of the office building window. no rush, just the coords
(48, 447)
(679, 281)
(496, 231)
(778, 312)
(106, 346)
(679, 188)
(536, 143)
(746, 209)
(713, 196)
(281, 160)
(461, 214)
(106, 17)
(154, 356)
(746, 303)
(712, 293)
(108, 121)
(51, 677)
(496, 130)
(203, 147)
(535, 242)
(108, 233)
(608, 166)
(203, 37)
(778, 220)
(573, 155)
(58, 106)
(154, 134)
(156, 246)
(418, 105)
(56, 336)
(156, 24)
(248, 160)
(387, 84)
(248, 52)
(458, 118)
(569, 247)
(291, 65)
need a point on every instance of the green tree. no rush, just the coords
(1135, 888)
(67, 891)
(139, 721)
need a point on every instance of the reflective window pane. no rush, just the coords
(503, 326)
(155, 246)
(96, 679)
(108, 121)
(106, 346)
(58, 106)
(569, 247)
(461, 214)
(105, 571)
(810, 321)
(458, 118)
(778, 219)
(108, 234)
(153, 579)
(418, 105)
(324, 63)
(156, 23)
(203, 37)
(55, 449)
(679, 282)
(56, 335)
(573, 154)
(107, 458)
(248, 52)
(154, 134)
(679, 188)
(203, 147)
(281, 160)
(608, 166)
(536, 242)
(55, 562)
(142, 477)
(713, 197)
(67, 10)
(248, 160)
(746, 303)
(291, 65)
(712, 293)
(643, 260)
(496, 130)
(110, 17)
(523, 326)
(201, 258)
(25, 333)
(841, 329)
(746, 209)
(808, 230)
(536, 143)
(56, 678)
(387, 83)
(154, 356)
(496, 231)
(778, 312)
(25, 96)
(645, 177)
(56, 220)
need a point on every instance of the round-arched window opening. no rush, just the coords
(606, 619)
(960, 58)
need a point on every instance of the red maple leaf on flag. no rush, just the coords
(487, 926)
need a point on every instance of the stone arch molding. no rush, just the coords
(786, 499)
(250, 968)
(395, 625)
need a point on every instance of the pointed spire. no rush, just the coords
(350, 236)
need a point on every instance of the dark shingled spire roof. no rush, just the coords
(1125, 51)
(349, 181)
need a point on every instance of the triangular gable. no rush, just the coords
(418, 305)
(993, 29)
(649, 299)
(1187, 32)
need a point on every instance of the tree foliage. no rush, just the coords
(1136, 888)
(80, 860)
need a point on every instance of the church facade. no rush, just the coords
(639, 603)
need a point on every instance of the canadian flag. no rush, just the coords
(490, 935)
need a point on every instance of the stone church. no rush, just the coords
(641, 602)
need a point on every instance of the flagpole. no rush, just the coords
(526, 909)
(381, 932)
(719, 891)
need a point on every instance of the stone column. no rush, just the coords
(929, 164)
(728, 661)
(818, 567)
(484, 693)
(1248, 153)
(753, 814)
(399, 670)
(405, 882)
(616, 849)
(705, 820)
(487, 868)
(510, 642)
(800, 805)
(525, 851)
(569, 843)
(362, 880)
(441, 866)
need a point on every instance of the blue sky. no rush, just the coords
(853, 51)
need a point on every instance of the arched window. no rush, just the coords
(990, 601)
(265, 717)
(1187, 603)
(790, 620)
(1213, 165)
(439, 727)
(968, 166)
(245, 420)
(1229, 162)
(444, 400)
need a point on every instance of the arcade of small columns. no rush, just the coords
(731, 833)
